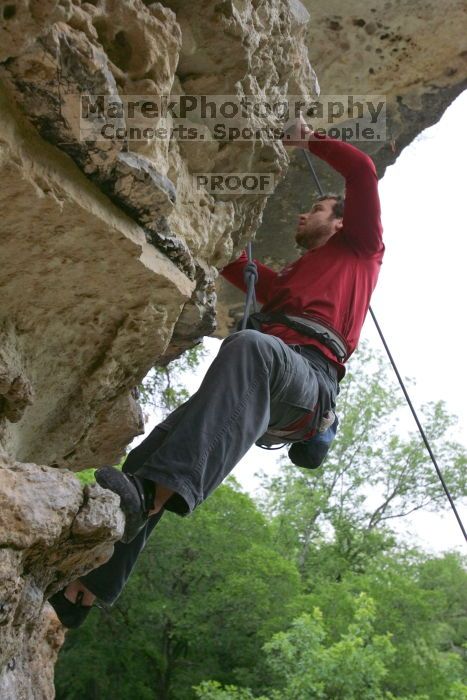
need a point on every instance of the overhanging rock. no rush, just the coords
(110, 252)
(414, 54)
(110, 255)
(113, 248)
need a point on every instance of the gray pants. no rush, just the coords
(256, 382)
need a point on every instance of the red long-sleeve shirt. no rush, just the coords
(333, 283)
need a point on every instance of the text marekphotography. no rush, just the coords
(228, 118)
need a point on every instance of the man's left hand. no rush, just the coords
(297, 134)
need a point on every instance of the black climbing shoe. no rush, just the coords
(70, 614)
(136, 497)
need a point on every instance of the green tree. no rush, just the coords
(373, 475)
(421, 602)
(203, 599)
(163, 387)
(352, 668)
(212, 690)
(305, 665)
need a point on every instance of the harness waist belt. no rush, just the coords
(307, 326)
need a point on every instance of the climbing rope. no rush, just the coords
(419, 425)
(399, 378)
(251, 276)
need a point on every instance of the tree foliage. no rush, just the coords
(303, 594)
(377, 472)
(202, 601)
(306, 665)
(163, 387)
(361, 649)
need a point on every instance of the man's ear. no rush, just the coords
(339, 225)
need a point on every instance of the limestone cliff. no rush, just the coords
(110, 256)
(110, 252)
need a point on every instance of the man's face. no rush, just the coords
(317, 226)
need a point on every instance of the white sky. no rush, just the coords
(421, 296)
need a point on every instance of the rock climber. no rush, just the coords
(277, 382)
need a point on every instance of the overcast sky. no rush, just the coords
(420, 300)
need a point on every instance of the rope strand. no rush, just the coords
(401, 382)
(251, 275)
(419, 425)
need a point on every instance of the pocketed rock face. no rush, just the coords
(32, 674)
(52, 529)
(113, 252)
(109, 251)
(109, 260)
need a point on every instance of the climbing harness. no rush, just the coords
(306, 325)
(310, 442)
(250, 280)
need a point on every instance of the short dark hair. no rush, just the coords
(338, 207)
